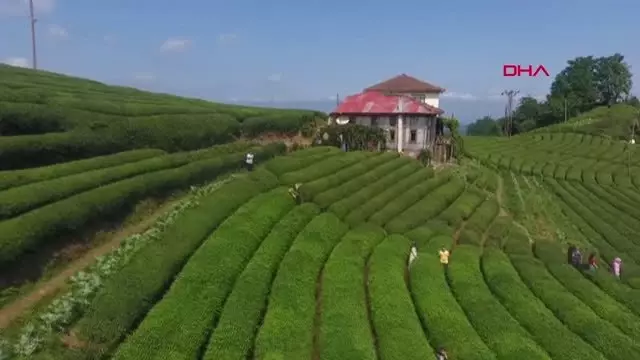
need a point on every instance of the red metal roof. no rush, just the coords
(380, 104)
(404, 83)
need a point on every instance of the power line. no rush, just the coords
(33, 21)
(511, 94)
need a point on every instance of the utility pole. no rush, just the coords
(511, 94)
(33, 35)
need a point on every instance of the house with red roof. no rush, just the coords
(405, 107)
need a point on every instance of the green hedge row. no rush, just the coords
(345, 331)
(396, 324)
(243, 310)
(500, 331)
(311, 189)
(131, 292)
(357, 182)
(18, 200)
(531, 313)
(323, 168)
(286, 332)
(27, 231)
(13, 178)
(429, 207)
(300, 159)
(394, 207)
(499, 232)
(577, 316)
(600, 302)
(462, 207)
(440, 313)
(375, 196)
(368, 189)
(620, 214)
(196, 298)
(484, 215)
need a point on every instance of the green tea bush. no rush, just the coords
(462, 207)
(196, 298)
(345, 331)
(397, 326)
(287, 326)
(315, 171)
(235, 332)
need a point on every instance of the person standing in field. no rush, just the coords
(593, 262)
(442, 354)
(444, 257)
(616, 267)
(295, 193)
(414, 253)
(570, 251)
(249, 161)
(577, 258)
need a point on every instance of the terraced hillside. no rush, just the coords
(46, 118)
(239, 271)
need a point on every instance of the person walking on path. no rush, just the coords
(577, 258)
(414, 253)
(248, 160)
(444, 257)
(295, 193)
(616, 267)
(570, 251)
(593, 262)
(442, 354)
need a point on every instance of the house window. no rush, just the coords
(374, 121)
(392, 135)
(393, 121)
(413, 136)
(352, 119)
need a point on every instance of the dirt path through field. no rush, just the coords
(14, 310)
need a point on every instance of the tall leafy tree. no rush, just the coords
(613, 77)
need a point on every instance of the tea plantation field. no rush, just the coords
(240, 271)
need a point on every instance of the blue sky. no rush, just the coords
(307, 51)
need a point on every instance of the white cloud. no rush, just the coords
(458, 95)
(21, 7)
(225, 39)
(144, 76)
(57, 32)
(275, 77)
(17, 61)
(175, 45)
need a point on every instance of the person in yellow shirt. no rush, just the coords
(444, 257)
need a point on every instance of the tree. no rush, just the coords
(613, 79)
(485, 126)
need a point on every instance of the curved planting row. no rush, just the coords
(495, 325)
(479, 222)
(396, 324)
(234, 336)
(328, 166)
(30, 229)
(299, 159)
(441, 315)
(345, 330)
(288, 328)
(368, 189)
(179, 325)
(367, 202)
(18, 200)
(394, 207)
(463, 207)
(13, 178)
(425, 209)
(114, 311)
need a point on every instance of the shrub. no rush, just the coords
(501, 332)
(286, 332)
(394, 207)
(484, 215)
(13, 178)
(323, 168)
(234, 335)
(30, 229)
(530, 312)
(311, 189)
(192, 304)
(397, 326)
(462, 207)
(298, 160)
(441, 316)
(114, 311)
(578, 317)
(345, 331)
(18, 200)
(374, 197)
(357, 182)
